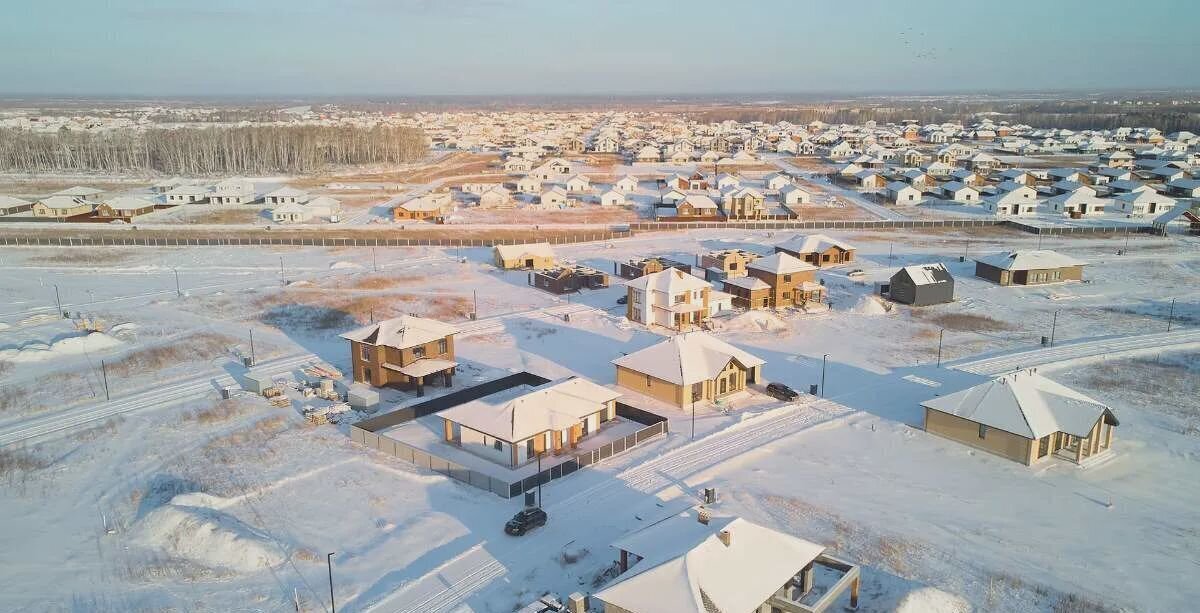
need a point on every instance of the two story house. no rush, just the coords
(405, 352)
(670, 298)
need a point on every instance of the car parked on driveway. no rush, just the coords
(525, 521)
(623, 300)
(782, 392)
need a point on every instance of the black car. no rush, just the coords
(623, 300)
(525, 521)
(782, 392)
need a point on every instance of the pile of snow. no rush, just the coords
(192, 528)
(301, 283)
(932, 600)
(70, 346)
(342, 265)
(754, 321)
(871, 305)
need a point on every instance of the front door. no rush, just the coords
(724, 386)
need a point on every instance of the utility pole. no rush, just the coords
(539, 460)
(282, 278)
(1171, 315)
(475, 304)
(104, 374)
(374, 264)
(329, 565)
(940, 334)
(891, 255)
(823, 359)
(1053, 326)
(178, 291)
(252, 346)
(58, 300)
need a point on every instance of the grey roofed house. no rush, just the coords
(922, 285)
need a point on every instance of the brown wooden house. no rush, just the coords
(776, 281)
(406, 352)
(565, 279)
(818, 250)
(1035, 267)
(637, 268)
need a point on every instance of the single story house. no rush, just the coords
(922, 285)
(531, 255)
(818, 250)
(687, 368)
(62, 207)
(12, 206)
(1033, 267)
(124, 207)
(1023, 417)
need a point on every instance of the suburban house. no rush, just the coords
(696, 205)
(555, 196)
(187, 194)
(515, 426)
(1018, 202)
(613, 197)
(62, 207)
(639, 267)
(1023, 417)
(12, 206)
(405, 352)
(695, 563)
(745, 203)
(687, 368)
(233, 191)
(1144, 202)
(496, 197)
(794, 194)
(425, 207)
(1029, 268)
(818, 250)
(960, 192)
(286, 195)
(529, 184)
(578, 183)
(1075, 204)
(728, 262)
(123, 207)
(532, 255)
(563, 279)
(899, 192)
(670, 298)
(922, 285)
(777, 181)
(79, 191)
(626, 184)
(776, 281)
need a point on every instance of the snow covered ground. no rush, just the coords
(188, 502)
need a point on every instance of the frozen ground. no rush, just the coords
(213, 505)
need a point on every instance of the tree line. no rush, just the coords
(210, 151)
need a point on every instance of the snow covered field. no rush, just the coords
(209, 505)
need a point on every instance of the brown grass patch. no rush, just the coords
(331, 310)
(378, 282)
(246, 444)
(108, 428)
(811, 163)
(963, 322)
(223, 411)
(16, 463)
(201, 346)
(82, 255)
(222, 216)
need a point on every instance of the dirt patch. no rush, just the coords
(963, 322)
(812, 164)
(81, 256)
(331, 311)
(222, 216)
(380, 282)
(223, 411)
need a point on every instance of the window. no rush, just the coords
(530, 450)
(983, 431)
(418, 351)
(647, 380)
(497, 445)
(365, 352)
(697, 391)
(442, 346)
(680, 299)
(787, 279)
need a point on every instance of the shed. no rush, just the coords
(922, 285)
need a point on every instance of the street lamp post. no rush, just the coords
(1053, 327)
(1171, 315)
(941, 333)
(539, 474)
(823, 360)
(329, 565)
(178, 291)
(57, 300)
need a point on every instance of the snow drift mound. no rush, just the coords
(871, 305)
(206, 536)
(343, 265)
(754, 321)
(72, 345)
(932, 600)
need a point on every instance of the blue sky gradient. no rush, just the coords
(431, 47)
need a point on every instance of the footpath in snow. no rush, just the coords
(1077, 351)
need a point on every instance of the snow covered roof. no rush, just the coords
(698, 201)
(422, 203)
(813, 243)
(128, 202)
(78, 191)
(686, 567)
(1037, 259)
(287, 192)
(781, 264)
(524, 411)
(514, 252)
(671, 281)
(62, 202)
(1026, 404)
(7, 201)
(685, 359)
(402, 332)
(928, 274)
(750, 283)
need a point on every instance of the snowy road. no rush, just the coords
(199, 387)
(448, 586)
(1080, 350)
(877, 210)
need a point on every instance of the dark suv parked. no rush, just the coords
(782, 392)
(525, 521)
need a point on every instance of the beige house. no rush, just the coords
(62, 207)
(818, 250)
(405, 352)
(731, 262)
(670, 298)
(532, 255)
(515, 426)
(1023, 417)
(695, 563)
(687, 368)
(1033, 267)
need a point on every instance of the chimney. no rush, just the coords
(577, 603)
(726, 537)
(703, 516)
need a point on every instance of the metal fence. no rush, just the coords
(138, 239)
(363, 432)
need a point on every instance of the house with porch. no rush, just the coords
(515, 426)
(818, 250)
(792, 194)
(635, 268)
(123, 207)
(407, 352)
(727, 262)
(696, 563)
(745, 203)
(1024, 417)
(1143, 202)
(670, 298)
(187, 194)
(776, 281)
(286, 195)
(1033, 267)
(687, 368)
(425, 207)
(62, 207)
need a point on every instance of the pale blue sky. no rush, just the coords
(372, 47)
